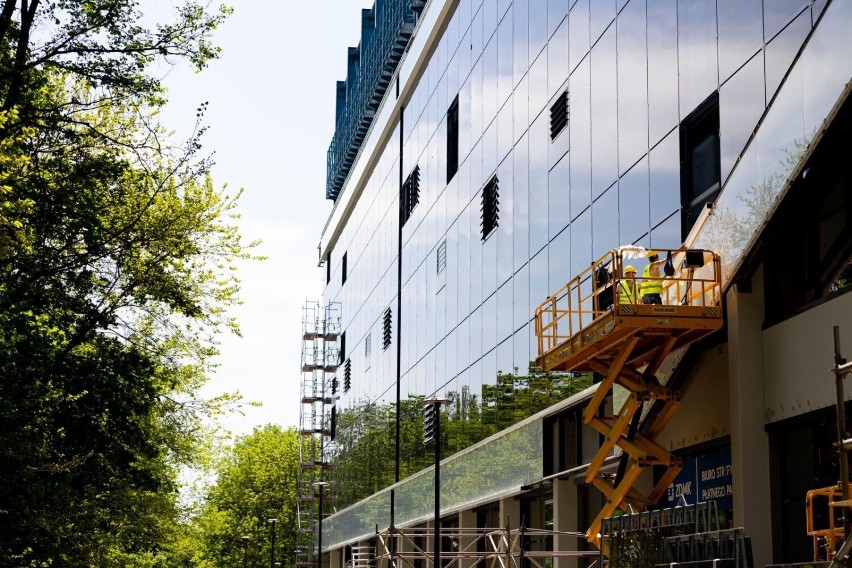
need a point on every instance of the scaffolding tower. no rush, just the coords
(320, 359)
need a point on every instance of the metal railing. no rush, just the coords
(472, 547)
(594, 293)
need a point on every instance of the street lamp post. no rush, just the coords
(245, 540)
(320, 485)
(432, 433)
(272, 550)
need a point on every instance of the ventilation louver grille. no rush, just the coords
(410, 194)
(387, 320)
(559, 115)
(490, 210)
(347, 375)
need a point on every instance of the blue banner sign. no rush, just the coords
(706, 477)
(714, 478)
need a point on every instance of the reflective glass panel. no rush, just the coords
(581, 243)
(558, 200)
(505, 133)
(537, 26)
(505, 225)
(476, 251)
(538, 211)
(662, 68)
(521, 294)
(520, 103)
(633, 203)
(489, 150)
(696, 52)
(505, 81)
(489, 265)
(557, 60)
(601, 15)
(521, 350)
(632, 85)
(740, 33)
(464, 242)
(538, 86)
(490, 18)
(664, 161)
(539, 284)
(741, 102)
(781, 51)
(604, 113)
(605, 222)
(520, 38)
(580, 127)
(777, 13)
(559, 252)
(476, 337)
(476, 119)
(556, 12)
(578, 32)
(521, 224)
(666, 235)
(489, 324)
(489, 82)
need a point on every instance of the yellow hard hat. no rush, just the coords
(630, 268)
(651, 253)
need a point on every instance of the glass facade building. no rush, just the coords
(519, 141)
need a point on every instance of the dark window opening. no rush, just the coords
(343, 268)
(700, 161)
(490, 210)
(386, 329)
(559, 115)
(803, 456)
(328, 268)
(453, 139)
(342, 353)
(410, 194)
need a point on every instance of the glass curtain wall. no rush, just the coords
(632, 71)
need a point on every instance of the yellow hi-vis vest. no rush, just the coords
(626, 291)
(647, 286)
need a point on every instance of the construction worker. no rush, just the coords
(627, 286)
(651, 286)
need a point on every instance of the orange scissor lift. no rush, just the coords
(585, 327)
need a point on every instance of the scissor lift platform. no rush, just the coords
(587, 326)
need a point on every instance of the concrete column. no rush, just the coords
(565, 517)
(510, 513)
(467, 520)
(336, 558)
(749, 442)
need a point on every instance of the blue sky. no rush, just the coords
(270, 118)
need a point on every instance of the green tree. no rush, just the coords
(256, 481)
(117, 257)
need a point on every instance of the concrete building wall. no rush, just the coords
(799, 355)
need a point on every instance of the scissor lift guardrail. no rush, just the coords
(586, 327)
